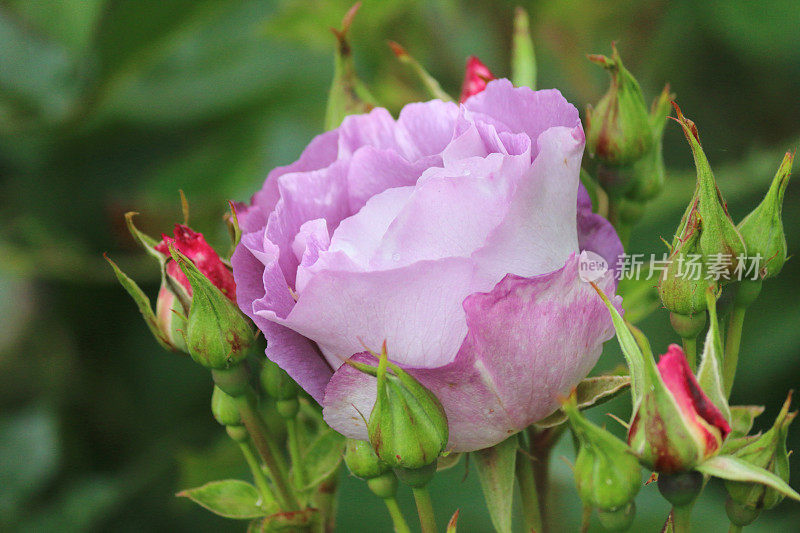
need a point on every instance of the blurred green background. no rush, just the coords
(108, 106)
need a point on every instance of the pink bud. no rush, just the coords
(194, 246)
(475, 79)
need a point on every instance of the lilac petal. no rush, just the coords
(320, 153)
(415, 309)
(530, 341)
(539, 232)
(261, 290)
(596, 234)
(424, 129)
(522, 110)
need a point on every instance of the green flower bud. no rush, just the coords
(362, 461)
(648, 174)
(719, 238)
(407, 426)
(682, 285)
(767, 452)
(681, 488)
(279, 386)
(618, 519)
(384, 485)
(224, 409)
(217, 334)
(762, 229)
(618, 130)
(607, 473)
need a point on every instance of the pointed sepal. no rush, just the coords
(496, 471)
(429, 82)
(523, 56)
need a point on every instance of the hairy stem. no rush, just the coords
(427, 518)
(690, 349)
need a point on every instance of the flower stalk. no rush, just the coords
(529, 495)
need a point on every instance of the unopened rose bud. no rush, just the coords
(618, 129)
(617, 519)
(720, 241)
(217, 334)
(407, 426)
(476, 76)
(767, 452)
(648, 173)
(607, 473)
(281, 388)
(224, 408)
(676, 426)
(683, 283)
(762, 229)
(362, 461)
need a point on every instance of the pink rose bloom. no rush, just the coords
(453, 233)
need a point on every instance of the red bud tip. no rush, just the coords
(476, 77)
(398, 50)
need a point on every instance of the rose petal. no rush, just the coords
(530, 341)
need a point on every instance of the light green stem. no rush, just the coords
(235, 382)
(293, 437)
(528, 493)
(735, 529)
(733, 340)
(682, 518)
(690, 349)
(400, 524)
(255, 469)
(427, 518)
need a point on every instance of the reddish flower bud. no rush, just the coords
(676, 426)
(194, 246)
(476, 77)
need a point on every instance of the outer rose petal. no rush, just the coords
(530, 341)
(262, 289)
(416, 309)
(596, 234)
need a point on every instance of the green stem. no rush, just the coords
(735, 529)
(234, 381)
(255, 470)
(682, 518)
(400, 524)
(690, 349)
(427, 519)
(293, 437)
(733, 340)
(528, 493)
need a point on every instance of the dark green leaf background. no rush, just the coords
(108, 106)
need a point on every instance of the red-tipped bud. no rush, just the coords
(476, 77)
(194, 246)
(676, 425)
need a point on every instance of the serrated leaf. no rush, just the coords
(323, 457)
(288, 520)
(735, 469)
(709, 375)
(496, 470)
(630, 348)
(231, 498)
(590, 392)
(143, 303)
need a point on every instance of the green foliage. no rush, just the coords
(231, 498)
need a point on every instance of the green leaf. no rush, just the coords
(231, 498)
(590, 392)
(496, 468)
(709, 375)
(630, 348)
(143, 303)
(735, 469)
(323, 458)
